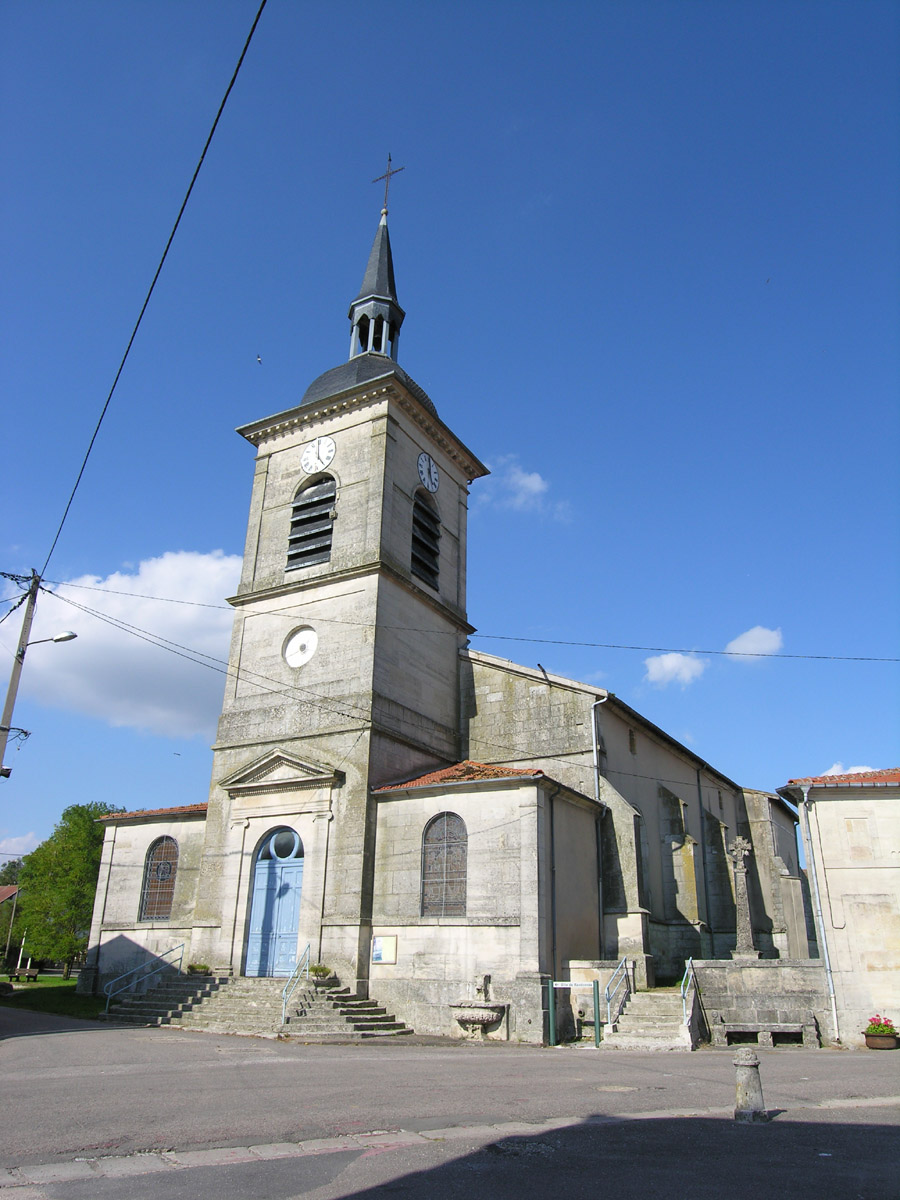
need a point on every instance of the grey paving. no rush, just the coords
(121, 1113)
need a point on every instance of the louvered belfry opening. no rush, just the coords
(312, 524)
(426, 535)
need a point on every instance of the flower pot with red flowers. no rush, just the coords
(880, 1033)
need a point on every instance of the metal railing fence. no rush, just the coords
(145, 971)
(610, 992)
(301, 968)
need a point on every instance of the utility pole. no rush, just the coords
(6, 719)
(34, 586)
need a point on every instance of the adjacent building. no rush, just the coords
(851, 833)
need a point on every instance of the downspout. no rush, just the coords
(820, 920)
(553, 796)
(595, 741)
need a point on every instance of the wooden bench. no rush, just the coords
(29, 973)
(764, 1030)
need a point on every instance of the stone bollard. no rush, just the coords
(748, 1104)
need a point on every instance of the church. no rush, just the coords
(434, 823)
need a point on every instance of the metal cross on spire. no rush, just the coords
(387, 181)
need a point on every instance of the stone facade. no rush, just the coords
(591, 835)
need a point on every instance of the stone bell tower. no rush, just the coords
(350, 614)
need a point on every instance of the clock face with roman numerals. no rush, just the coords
(428, 472)
(317, 455)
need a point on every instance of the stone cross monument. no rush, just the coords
(738, 851)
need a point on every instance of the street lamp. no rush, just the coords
(66, 636)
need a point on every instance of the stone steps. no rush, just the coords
(319, 1014)
(650, 1021)
(221, 1004)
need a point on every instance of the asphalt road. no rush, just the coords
(121, 1114)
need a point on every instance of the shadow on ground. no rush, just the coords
(698, 1157)
(16, 1022)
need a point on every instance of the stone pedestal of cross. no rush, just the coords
(738, 851)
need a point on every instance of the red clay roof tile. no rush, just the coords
(185, 810)
(888, 775)
(463, 772)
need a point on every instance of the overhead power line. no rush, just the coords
(221, 666)
(501, 637)
(159, 268)
(496, 637)
(511, 754)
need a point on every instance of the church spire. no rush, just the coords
(375, 315)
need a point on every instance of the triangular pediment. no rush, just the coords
(279, 771)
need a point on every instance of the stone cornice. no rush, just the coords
(260, 431)
(373, 567)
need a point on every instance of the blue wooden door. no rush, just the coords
(275, 908)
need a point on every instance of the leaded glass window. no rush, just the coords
(159, 880)
(444, 848)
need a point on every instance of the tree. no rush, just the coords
(9, 872)
(57, 883)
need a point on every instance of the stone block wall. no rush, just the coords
(781, 991)
(425, 1004)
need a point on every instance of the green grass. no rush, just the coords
(54, 995)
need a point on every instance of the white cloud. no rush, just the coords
(116, 677)
(757, 640)
(510, 486)
(16, 846)
(838, 768)
(663, 669)
(524, 489)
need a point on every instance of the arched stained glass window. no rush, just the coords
(444, 849)
(159, 880)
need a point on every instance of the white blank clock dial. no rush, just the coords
(317, 455)
(300, 646)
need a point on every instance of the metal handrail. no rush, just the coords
(621, 969)
(689, 978)
(289, 988)
(134, 975)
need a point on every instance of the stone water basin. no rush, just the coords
(475, 1015)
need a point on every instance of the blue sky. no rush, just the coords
(649, 258)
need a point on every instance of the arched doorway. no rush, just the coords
(275, 905)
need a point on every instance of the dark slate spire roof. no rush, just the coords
(363, 368)
(379, 277)
(374, 314)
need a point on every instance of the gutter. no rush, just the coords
(553, 796)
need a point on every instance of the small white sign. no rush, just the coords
(384, 949)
